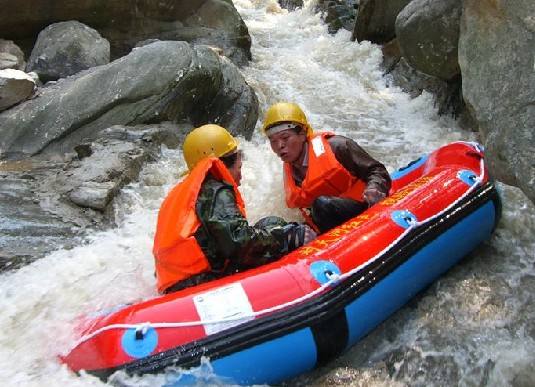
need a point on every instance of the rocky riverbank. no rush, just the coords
(75, 127)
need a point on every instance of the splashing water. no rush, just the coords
(474, 326)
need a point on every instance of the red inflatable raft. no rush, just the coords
(277, 321)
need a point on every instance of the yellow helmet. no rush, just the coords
(285, 112)
(207, 140)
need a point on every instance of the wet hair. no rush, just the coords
(230, 159)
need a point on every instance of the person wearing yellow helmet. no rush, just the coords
(329, 177)
(202, 231)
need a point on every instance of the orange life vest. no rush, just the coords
(176, 251)
(325, 176)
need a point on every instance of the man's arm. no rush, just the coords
(360, 164)
(231, 237)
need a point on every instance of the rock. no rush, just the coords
(47, 204)
(11, 56)
(218, 23)
(146, 42)
(15, 86)
(98, 177)
(163, 81)
(428, 35)
(391, 55)
(338, 14)
(291, 5)
(125, 22)
(376, 20)
(447, 95)
(496, 54)
(114, 160)
(66, 48)
(93, 194)
(523, 378)
(27, 229)
(235, 107)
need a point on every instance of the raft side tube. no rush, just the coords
(397, 288)
(366, 299)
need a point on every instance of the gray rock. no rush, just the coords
(163, 81)
(15, 86)
(428, 35)
(11, 56)
(93, 194)
(146, 42)
(125, 22)
(376, 20)
(338, 14)
(98, 177)
(66, 48)
(447, 95)
(496, 51)
(218, 23)
(33, 223)
(291, 5)
(47, 204)
(235, 107)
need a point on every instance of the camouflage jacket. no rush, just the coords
(225, 235)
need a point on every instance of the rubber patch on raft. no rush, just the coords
(468, 177)
(323, 271)
(226, 303)
(139, 347)
(403, 218)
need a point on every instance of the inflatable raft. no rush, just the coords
(272, 323)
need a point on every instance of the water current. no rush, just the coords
(473, 327)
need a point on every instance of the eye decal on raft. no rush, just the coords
(404, 218)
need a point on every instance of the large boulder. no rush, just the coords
(125, 22)
(66, 48)
(376, 20)
(428, 36)
(496, 51)
(163, 81)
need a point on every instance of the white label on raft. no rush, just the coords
(317, 146)
(229, 302)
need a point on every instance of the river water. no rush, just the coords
(475, 326)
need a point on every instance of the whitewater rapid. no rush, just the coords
(474, 326)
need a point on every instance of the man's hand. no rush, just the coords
(298, 235)
(310, 234)
(372, 196)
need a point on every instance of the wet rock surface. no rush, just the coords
(47, 204)
(27, 229)
(496, 51)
